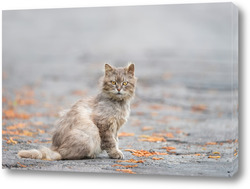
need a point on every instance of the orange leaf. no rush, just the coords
(197, 154)
(155, 158)
(168, 148)
(214, 157)
(11, 141)
(156, 107)
(16, 126)
(153, 139)
(21, 165)
(147, 128)
(126, 166)
(130, 161)
(200, 107)
(126, 171)
(144, 153)
(211, 143)
(124, 134)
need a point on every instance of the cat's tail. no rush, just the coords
(43, 153)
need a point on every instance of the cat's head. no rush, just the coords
(119, 83)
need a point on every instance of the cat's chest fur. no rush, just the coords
(107, 113)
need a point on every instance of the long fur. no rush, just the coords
(91, 125)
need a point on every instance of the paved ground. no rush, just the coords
(185, 105)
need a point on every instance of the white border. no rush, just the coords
(18, 179)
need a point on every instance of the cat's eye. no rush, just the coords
(125, 83)
(113, 82)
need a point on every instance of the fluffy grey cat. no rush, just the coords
(91, 125)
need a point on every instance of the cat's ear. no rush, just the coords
(108, 68)
(131, 69)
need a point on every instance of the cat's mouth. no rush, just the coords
(119, 93)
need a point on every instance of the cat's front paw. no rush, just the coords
(116, 155)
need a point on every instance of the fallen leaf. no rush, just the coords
(11, 141)
(216, 153)
(21, 165)
(126, 171)
(130, 161)
(10, 114)
(124, 134)
(16, 126)
(24, 102)
(164, 134)
(155, 158)
(147, 128)
(156, 107)
(79, 92)
(197, 154)
(126, 166)
(153, 139)
(168, 148)
(144, 153)
(199, 108)
(211, 143)
(214, 157)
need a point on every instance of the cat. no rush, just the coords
(91, 125)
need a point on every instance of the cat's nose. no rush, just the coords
(118, 89)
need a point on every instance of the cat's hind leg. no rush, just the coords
(77, 145)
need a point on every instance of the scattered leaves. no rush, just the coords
(130, 160)
(126, 166)
(164, 134)
(152, 139)
(24, 102)
(144, 153)
(126, 171)
(16, 126)
(11, 114)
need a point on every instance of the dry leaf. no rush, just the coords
(211, 143)
(156, 107)
(168, 148)
(155, 158)
(144, 153)
(197, 154)
(214, 157)
(147, 128)
(153, 139)
(198, 108)
(21, 165)
(16, 126)
(130, 160)
(124, 134)
(11, 141)
(126, 171)
(10, 114)
(126, 166)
